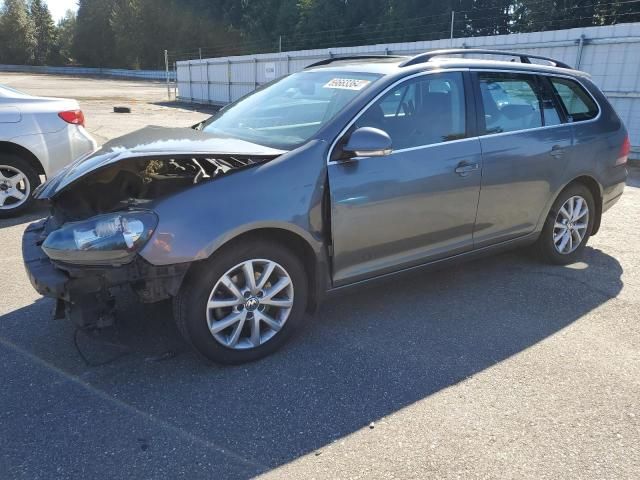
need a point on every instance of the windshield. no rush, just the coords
(286, 114)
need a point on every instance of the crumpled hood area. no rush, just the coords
(143, 167)
(150, 142)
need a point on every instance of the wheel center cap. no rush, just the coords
(251, 304)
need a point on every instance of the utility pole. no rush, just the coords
(453, 19)
(166, 67)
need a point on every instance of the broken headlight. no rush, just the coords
(111, 239)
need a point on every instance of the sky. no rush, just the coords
(59, 7)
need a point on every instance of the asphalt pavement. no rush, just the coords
(498, 368)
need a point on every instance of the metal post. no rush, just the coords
(280, 44)
(453, 19)
(580, 47)
(190, 83)
(229, 80)
(255, 73)
(175, 84)
(200, 53)
(166, 67)
(206, 66)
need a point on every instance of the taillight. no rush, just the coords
(75, 117)
(624, 151)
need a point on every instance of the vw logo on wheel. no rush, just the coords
(252, 304)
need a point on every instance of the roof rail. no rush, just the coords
(329, 60)
(524, 58)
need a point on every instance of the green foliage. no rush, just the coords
(134, 33)
(128, 30)
(44, 31)
(17, 37)
(66, 31)
(94, 40)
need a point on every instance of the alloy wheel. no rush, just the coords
(249, 304)
(571, 225)
(14, 187)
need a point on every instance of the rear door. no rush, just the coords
(419, 203)
(525, 146)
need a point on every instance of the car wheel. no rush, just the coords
(243, 303)
(18, 180)
(568, 226)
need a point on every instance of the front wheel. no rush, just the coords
(568, 226)
(243, 303)
(17, 182)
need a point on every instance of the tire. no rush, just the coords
(553, 238)
(204, 283)
(11, 166)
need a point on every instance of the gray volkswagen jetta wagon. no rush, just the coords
(351, 170)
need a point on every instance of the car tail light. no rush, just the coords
(75, 117)
(624, 152)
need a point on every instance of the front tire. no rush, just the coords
(243, 303)
(18, 180)
(568, 226)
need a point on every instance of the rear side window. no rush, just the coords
(510, 102)
(577, 102)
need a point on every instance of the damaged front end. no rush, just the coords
(101, 219)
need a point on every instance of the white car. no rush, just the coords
(38, 136)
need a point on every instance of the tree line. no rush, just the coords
(134, 33)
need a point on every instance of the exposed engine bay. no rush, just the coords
(139, 180)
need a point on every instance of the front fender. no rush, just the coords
(285, 193)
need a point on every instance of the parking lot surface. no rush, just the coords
(498, 368)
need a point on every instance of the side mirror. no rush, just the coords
(368, 142)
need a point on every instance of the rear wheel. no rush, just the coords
(568, 226)
(18, 179)
(243, 303)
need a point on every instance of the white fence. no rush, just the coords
(610, 54)
(158, 75)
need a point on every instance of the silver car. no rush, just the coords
(353, 170)
(38, 136)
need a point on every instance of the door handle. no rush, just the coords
(465, 168)
(556, 151)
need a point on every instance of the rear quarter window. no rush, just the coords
(576, 101)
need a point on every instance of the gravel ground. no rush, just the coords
(499, 368)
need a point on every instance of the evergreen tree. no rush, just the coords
(17, 39)
(94, 40)
(44, 30)
(134, 33)
(128, 27)
(66, 31)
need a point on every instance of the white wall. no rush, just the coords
(611, 54)
(156, 75)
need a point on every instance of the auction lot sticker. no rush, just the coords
(347, 83)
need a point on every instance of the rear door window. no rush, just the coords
(577, 102)
(510, 101)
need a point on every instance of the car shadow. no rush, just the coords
(365, 355)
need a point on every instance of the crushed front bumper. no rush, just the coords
(84, 293)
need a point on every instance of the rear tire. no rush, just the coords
(568, 226)
(252, 308)
(18, 180)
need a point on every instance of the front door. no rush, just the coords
(417, 204)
